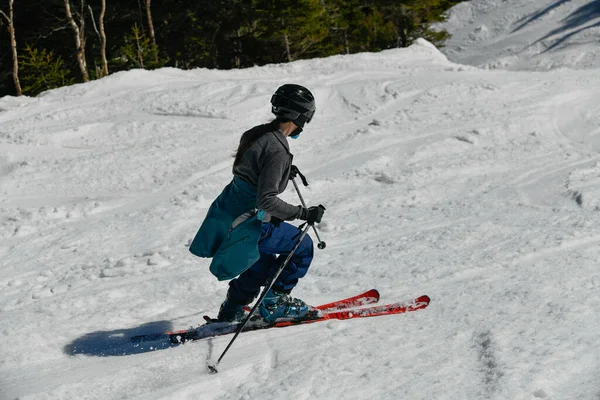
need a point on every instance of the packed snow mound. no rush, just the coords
(524, 34)
(421, 54)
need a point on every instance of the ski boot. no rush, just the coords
(279, 306)
(231, 311)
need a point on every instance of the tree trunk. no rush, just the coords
(151, 26)
(13, 43)
(79, 40)
(140, 54)
(103, 40)
(346, 45)
(405, 21)
(287, 47)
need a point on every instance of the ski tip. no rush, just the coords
(375, 293)
(422, 301)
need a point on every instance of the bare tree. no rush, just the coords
(100, 72)
(151, 26)
(286, 41)
(79, 31)
(138, 34)
(103, 41)
(13, 42)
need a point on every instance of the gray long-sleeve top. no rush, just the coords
(266, 166)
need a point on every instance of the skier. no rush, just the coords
(244, 231)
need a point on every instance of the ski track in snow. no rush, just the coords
(438, 179)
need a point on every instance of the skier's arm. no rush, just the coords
(272, 170)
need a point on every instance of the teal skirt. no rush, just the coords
(230, 232)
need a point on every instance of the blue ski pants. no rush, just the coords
(275, 245)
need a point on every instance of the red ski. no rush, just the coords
(342, 309)
(375, 311)
(370, 297)
(363, 299)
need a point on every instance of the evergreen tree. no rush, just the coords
(359, 25)
(412, 19)
(139, 51)
(41, 70)
(299, 26)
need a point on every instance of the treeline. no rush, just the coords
(46, 44)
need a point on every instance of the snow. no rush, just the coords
(524, 34)
(476, 187)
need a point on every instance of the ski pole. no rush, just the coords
(321, 244)
(213, 367)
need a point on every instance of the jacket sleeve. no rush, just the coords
(272, 169)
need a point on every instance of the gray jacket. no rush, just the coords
(266, 166)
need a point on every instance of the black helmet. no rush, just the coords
(293, 103)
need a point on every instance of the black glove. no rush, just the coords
(294, 172)
(275, 221)
(312, 214)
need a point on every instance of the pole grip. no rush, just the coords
(321, 245)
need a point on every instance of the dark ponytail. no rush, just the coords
(251, 136)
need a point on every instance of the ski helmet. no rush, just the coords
(293, 103)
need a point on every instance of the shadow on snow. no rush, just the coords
(540, 14)
(575, 22)
(118, 342)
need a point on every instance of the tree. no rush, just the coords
(42, 70)
(151, 28)
(79, 31)
(138, 49)
(103, 40)
(103, 71)
(10, 19)
(358, 25)
(412, 19)
(300, 25)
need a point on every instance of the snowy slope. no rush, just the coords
(525, 34)
(479, 188)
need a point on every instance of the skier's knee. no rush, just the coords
(306, 247)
